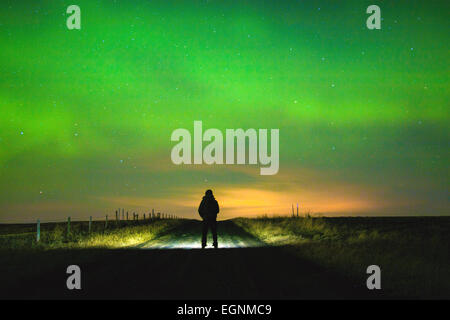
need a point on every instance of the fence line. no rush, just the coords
(147, 215)
(119, 221)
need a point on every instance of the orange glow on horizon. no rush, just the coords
(247, 202)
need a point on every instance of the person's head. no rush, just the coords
(208, 193)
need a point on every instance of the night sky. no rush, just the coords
(86, 115)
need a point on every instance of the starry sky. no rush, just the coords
(86, 115)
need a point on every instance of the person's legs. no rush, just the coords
(204, 232)
(214, 232)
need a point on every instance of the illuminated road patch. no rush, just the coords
(197, 245)
(189, 237)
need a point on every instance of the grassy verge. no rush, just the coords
(23, 258)
(57, 236)
(413, 253)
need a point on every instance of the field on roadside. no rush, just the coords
(23, 256)
(412, 252)
(57, 235)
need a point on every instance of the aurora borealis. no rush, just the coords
(86, 115)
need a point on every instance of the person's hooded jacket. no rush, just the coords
(209, 208)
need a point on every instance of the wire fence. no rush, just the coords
(80, 224)
(119, 214)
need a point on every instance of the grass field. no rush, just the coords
(413, 253)
(23, 256)
(57, 235)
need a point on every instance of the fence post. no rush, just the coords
(297, 209)
(123, 213)
(68, 225)
(90, 224)
(153, 213)
(117, 218)
(106, 222)
(127, 215)
(38, 230)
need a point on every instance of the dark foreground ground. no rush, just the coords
(172, 267)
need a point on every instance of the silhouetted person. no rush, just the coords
(208, 210)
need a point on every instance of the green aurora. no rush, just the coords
(86, 115)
